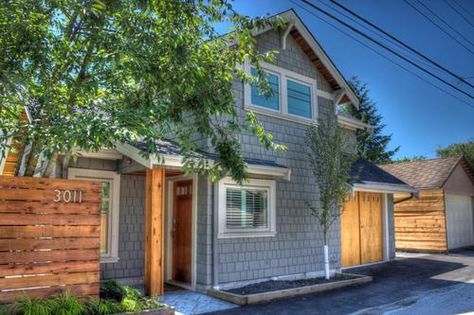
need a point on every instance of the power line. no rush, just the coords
(402, 43)
(439, 27)
(390, 40)
(383, 56)
(445, 23)
(388, 48)
(459, 12)
(463, 8)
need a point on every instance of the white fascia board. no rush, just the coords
(352, 123)
(176, 161)
(104, 154)
(384, 188)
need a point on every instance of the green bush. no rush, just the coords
(117, 299)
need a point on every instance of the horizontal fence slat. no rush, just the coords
(49, 237)
(42, 195)
(54, 267)
(49, 280)
(19, 206)
(56, 243)
(52, 255)
(79, 289)
(49, 219)
(49, 231)
(49, 183)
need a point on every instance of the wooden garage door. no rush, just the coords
(362, 230)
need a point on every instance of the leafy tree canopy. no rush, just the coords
(458, 149)
(410, 159)
(371, 145)
(96, 72)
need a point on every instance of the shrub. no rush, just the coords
(114, 299)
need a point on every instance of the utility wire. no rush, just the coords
(384, 56)
(388, 48)
(463, 8)
(459, 12)
(457, 76)
(390, 40)
(444, 22)
(439, 27)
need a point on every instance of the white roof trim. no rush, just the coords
(176, 161)
(383, 188)
(352, 123)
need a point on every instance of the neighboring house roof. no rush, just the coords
(368, 176)
(426, 174)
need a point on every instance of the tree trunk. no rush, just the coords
(50, 165)
(326, 256)
(32, 159)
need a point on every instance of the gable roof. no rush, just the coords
(298, 30)
(368, 176)
(426, 174)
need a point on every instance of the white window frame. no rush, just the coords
(283, 75)
(269, 231)
(114, 178)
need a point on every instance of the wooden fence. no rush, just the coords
(49, 237)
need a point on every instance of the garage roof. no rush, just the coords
(426, 174)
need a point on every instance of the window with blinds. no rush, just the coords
(246, 208)
(299, 99)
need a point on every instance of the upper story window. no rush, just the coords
(299, 99)
(270, 102)
(294, 95)
(246, 210)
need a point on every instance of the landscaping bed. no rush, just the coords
(275, 289)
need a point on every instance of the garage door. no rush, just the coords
(459, 214)
(362, 230)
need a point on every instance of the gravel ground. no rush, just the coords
(274, 285)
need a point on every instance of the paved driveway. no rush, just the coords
(401, 287)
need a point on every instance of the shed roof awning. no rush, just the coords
(369, 177)
(170, 155)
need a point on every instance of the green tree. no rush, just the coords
(372, 145)
(94, 73)
(410, 159)
(331, 166)
(458, 149)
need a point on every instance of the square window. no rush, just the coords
(299, 99)
(246, 210)
(270, 102)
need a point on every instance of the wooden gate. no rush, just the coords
(362, 230)
(49, 237)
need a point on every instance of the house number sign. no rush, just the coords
(68, 196)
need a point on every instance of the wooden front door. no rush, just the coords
(182, 230)
(362, 230)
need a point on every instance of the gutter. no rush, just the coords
(412, 196)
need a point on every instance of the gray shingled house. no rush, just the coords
(222, 234)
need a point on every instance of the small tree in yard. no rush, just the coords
(331, 161)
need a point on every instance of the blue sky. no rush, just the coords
(420, 117)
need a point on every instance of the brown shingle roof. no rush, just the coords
(424, 174)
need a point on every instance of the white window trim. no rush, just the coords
(270, 231)
(283, 75)
(88, 174)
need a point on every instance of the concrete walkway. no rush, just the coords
(188, 302)
(408, 283)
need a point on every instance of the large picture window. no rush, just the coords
(109, 208)
(270, 102)
(247, 210)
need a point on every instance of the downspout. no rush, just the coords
(215, 224)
